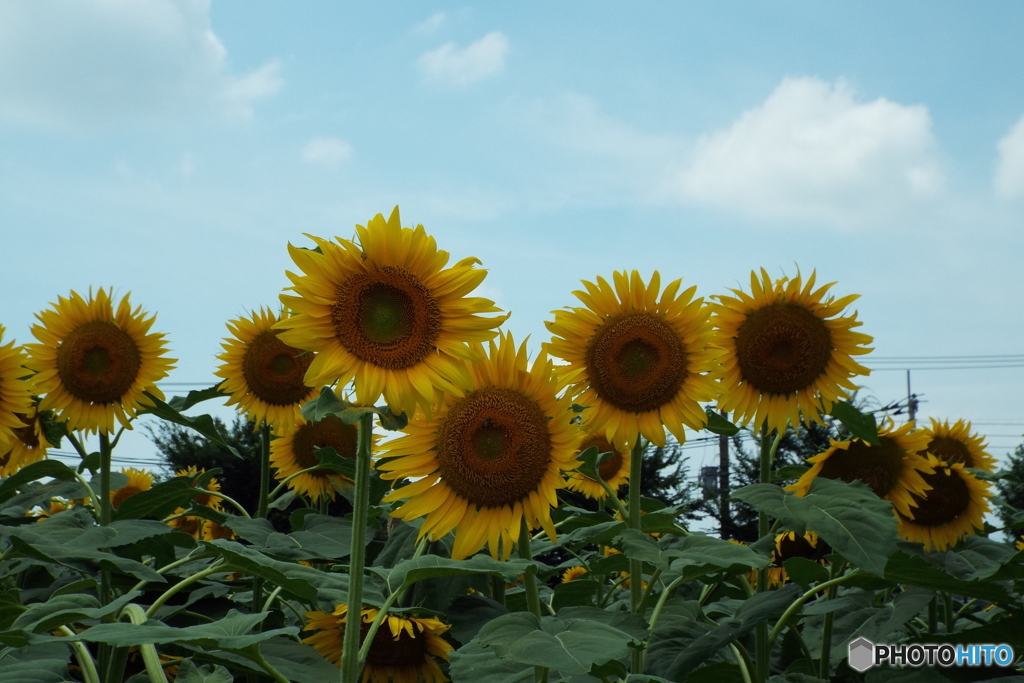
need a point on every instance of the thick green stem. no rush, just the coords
(661, 601)
(762, 646)
(947, 617)
(105, 514)
(261, 513)
(826, 630)
(795, 607)
(540, 673)
(636, 567)
(85, 661)
(360, 506)
(150, 657)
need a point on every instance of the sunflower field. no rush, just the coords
(381, 378)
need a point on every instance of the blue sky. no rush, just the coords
(173, 149)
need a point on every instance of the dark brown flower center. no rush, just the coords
(98, 362)
(636, 362)
(879, 466)
(328, 432)
(611, 465)
(274, 371)
(951, 450)
(493, 446)
(782, 348)
(386, 317)
(948, 498)
(386, 650)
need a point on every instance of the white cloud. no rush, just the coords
(1009, 178)
(328, 152)
(452, 66)
(91, 61)
(812, 152)
(431, 23)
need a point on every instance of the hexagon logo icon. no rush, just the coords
(861, 655)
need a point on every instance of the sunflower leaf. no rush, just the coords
(203, 424)
(408, 572)
(391, 421)
(183, 403)
(719, 425)
(861, 425)
(327, 403)
(855, 522)
(54, 431)
(159, 501)
(591, 460)
(42, 663)
(37, 470)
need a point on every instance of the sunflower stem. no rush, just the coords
(357, 557)
(105, 590)
(261, 513)
(834, 572)
(540, 673)
(636, 567)
(762, 644)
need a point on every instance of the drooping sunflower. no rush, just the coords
(138, 481)
(293, 451)
(787, 350)
(15, 392)
(893, 469)
(614, 469)
(573, 573)
(489, 458)
(28, 446)
(403, 649)
(53, 507)
(263, 374)
(386, 312)
(790, 544)
(95, 363)
(953, 507)
(957, 443)
(640, 363)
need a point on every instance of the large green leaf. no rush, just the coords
(159, 501)
(67, 609)
(41, 663)
(861, 425)
(915, 571)
(474, 663)
(569, 646)
(321, 537)
(416, 569)
(203, 424)
(43, 469)
(719, 425)
(306, 583)
(183, 403)
(469, 613)
(82, 559)
(234, 632)
(295, 661)
(850, 517)
(190, 673)
(677, 648)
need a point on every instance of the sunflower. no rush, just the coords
(28, 446)
(15, 393)
(138, 481)
(787, 353)
(893, 469)
(790, 544)
(957, 443)
(487, 459)
(401, 650)
(614, 469)
(293, 451)
(573, 573)
(263, 374)
(53, 507)
(640, 363)
(95, 363)
(953, 507)
(386, 312)
(200, 527)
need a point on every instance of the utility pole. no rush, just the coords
(725, 517)
(911, 400)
